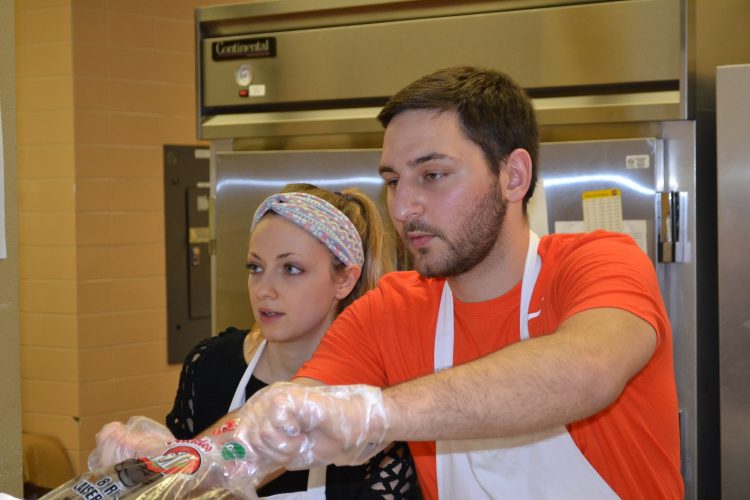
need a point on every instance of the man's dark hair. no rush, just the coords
(494, 112)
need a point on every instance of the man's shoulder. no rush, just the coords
(557, 246)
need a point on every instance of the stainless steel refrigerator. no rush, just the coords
(288, 91)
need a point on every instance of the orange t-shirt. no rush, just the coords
(388, 336)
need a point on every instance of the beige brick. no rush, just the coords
(42, 26)
(51, 364)
(135, 129)
(145, 7)
(44, 60)
(94, 228)
(49, 161)
(139, 326)
(98, 397)
(91, 93)
(53, 126)
(131, 96)
(41, 396)
(175, 99)
(177, 130)
(178, 9)
(137, 162)
(95, 262)
(91, 59)
(92, 127)
(56, 297)
(138, 194)
(49, 330)
(93, 161)
(93, 195)
(175, 67)
(176, 35)
(133, 64)
(140, 359)
(48, 262)
(46, 195)
(90, 23)
(138, 260)
(138, 227)
(29, 5)
(131, 30)
(95, 330)
(95, 296)
(139, 392)
(33, 94)
(96, 364)
(47, 229)
(132, 294)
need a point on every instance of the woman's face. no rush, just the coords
(292, 291)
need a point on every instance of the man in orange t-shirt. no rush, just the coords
(515, 367)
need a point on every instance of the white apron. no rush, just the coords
(545, 465)
(316, 479)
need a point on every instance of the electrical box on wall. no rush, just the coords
(188, 262)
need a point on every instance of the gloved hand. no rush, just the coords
(140, 437)
(297, 427)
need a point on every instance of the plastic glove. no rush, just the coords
(140, 437)
(297, 427)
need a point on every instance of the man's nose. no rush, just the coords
(405, 203)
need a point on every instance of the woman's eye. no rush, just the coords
(293, 270)
(253, 268)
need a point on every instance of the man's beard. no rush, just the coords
(475, 238)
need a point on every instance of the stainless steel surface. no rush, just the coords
(372, 60)
(733, 153)
(572, 168)
(678, 282)
(617, 108)
(243, 180)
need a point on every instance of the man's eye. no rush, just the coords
(433, 176)
(391, 183)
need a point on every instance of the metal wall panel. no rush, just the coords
(733, 148)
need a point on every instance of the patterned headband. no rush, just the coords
(321, 219)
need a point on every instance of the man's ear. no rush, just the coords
(346, 280)
(517, 171)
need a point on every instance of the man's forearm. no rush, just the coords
(527, 387)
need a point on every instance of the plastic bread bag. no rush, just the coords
(200, 469)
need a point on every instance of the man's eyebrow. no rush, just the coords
(416, 162)
(428, 157)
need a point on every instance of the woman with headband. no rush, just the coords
(311, 253)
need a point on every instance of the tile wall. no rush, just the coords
(102, 85)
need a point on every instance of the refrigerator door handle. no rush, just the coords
(671, 213)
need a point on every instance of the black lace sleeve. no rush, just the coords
(209, 377)
(389, 475)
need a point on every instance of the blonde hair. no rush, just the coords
(376, 243)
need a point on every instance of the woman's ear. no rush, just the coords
(346, 281)
(517, 175)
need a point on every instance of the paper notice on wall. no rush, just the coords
(3, 251)
(602, 209)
